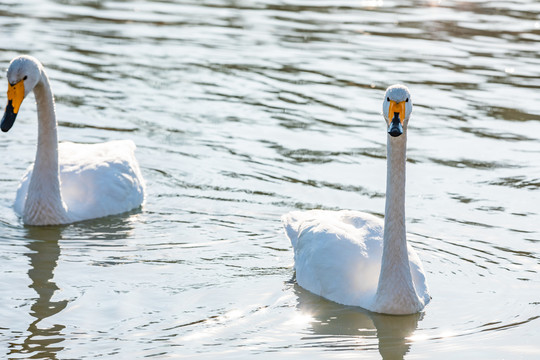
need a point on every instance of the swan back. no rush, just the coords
(96, 180)
(337, 254)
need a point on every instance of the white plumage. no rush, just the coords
(69, 182)
(353, 258)
(96, 180)
(338, 255)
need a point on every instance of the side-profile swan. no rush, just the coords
(350, 257)
(68, 182)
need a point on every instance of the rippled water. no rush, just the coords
(244, 110)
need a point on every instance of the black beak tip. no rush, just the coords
(8, 119)
(395, 128)
(394, 132)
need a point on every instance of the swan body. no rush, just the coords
(354, 258)
(68, 182)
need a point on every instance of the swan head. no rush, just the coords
(23, 74)
(397, 109)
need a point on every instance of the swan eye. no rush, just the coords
(25, 77)
(388, 99)
(407, 100)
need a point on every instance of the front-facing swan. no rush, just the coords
(68, 182)
(348, 256)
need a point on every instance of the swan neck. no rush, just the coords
(44, 199)
(394, 212)
(47, 134)
(395, 290)
(395, 232)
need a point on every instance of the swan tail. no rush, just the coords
(291, 223)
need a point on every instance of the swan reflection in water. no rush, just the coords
(335, 326)
(44, 339)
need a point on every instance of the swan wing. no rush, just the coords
(337, 253)
(96, 179)
(100, 179)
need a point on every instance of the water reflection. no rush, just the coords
(43, 341)
(116, 227)
(335, 324)
(44, 338)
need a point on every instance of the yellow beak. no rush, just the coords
(398, 108)
(15, 94)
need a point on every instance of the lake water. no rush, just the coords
(245, 110)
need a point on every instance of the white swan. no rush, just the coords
(349, 257)
(68, 182)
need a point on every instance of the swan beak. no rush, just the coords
(395, 126)
(15, 96)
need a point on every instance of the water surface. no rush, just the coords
(244, 110)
